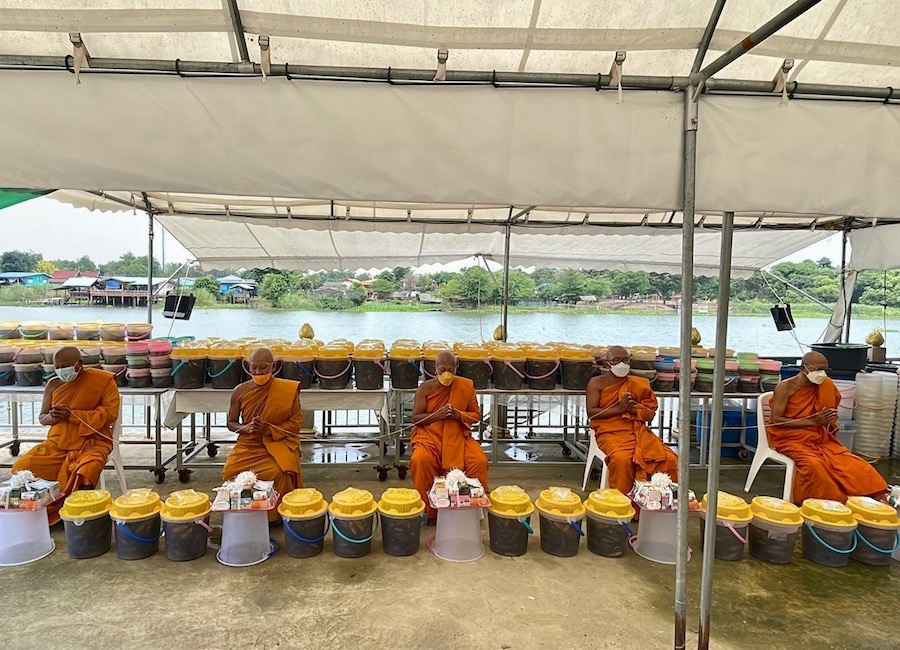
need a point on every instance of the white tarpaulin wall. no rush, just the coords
(875, 248)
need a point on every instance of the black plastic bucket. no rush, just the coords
(161, 381)
(29, 375)
(775, 545)
(400, 535)
(369, 374)
(136, 540)
(353, 537)
(428, 368)
(728, 545)
(186, 540)
(305, 537)
(606, 537)
(119, 375)
(478, 370)
(827, 547)
(299, 371)
(560, 538)
(509, 535)
(508, 375)
(7, 374)
(576, 374)
(843, 356)
(874, 546)
(189, 373)
(225, 373)
(87, 538)
(748, 385)
(541, 373)
(405, 373)
(333, 374)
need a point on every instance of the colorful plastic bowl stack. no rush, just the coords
(748, 369)
(137, 355)
(160, 357)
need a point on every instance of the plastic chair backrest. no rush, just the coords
(763, 412)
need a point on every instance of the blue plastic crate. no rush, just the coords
(731, 430)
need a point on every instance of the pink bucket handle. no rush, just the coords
(139, 337)
(516, 370)
(340, 374)
(555, 368)
(735, 533)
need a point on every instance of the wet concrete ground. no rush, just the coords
(379, 601)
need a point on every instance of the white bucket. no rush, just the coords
(245, 538)
(24, 536)
(657, 538)
(458, 535)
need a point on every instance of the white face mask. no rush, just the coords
(67, 374)
(816, 376)
(621, 369)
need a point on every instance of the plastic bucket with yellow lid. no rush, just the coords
(61, 331)
(560, 513)
(733, 517)
(305, 515)
(508, 363)
(509, 520)
(774, 529)
(474, 362)
(189, 366)
(136, 514)
(430, 351)
(225, 367)
(112, 331)
(405, 359)
(10, 330)
(829, 532)
(34, 331)
(85, 515)
(541, 367)
(877, 528)
(400, 511)
(297, 363)
(576, 367)
(354, 521)
(185, 520)
(608, 515)
(368, 366)
(333, 366)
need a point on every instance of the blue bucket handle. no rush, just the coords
(288, 528)
(134, 537)
(221, 372)
(310, 375)
(828, 546)
(627, 528)
(875, 548)
(273, 543)
(178, 367)
(4, 374)
(355, 541)
(575, 525)
(528, 527)
(415, 364)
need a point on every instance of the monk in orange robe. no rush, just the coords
(444, 411)
(265, 413)
(619, 406)
(802, 426)
(80, 406)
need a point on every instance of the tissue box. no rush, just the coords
(37, 494)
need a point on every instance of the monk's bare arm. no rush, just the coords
(778, 404)
(45, 418)
(234, 409)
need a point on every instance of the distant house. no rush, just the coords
(232, 285)
(429, 299)
(27, 279)
(586, 300)
(59, 277)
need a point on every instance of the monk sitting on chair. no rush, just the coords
(619, 406)
(803, 425)
(80, 406)
(265, 413)
(444, 411)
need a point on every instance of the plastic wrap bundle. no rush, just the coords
(876, 402)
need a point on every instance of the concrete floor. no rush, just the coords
(379, 601)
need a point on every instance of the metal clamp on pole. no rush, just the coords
(265, 56)
(80, 55)
(615, 72)
(441, 73)
(781, 80)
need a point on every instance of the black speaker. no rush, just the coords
(784, 320)
(179, 306)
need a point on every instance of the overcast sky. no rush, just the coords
(60, 231)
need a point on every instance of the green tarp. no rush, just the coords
(11, 197)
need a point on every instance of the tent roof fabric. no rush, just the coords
(837, 41)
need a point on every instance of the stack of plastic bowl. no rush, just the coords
(666, 378)
(87, 331)
(137, 354)
(705, 373)
(643, 358)
(732, 375)
(60, 331)
(769, 374)
(112, 331)
(876, 401)
(748, 370)
(160, 363)
(138, 331)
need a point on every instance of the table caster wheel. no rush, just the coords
(160, 475)
(382, 474)
(184, 475)
(402, 473)
(212, 451)
(743, 454)
(14, 449)
(566, 452)
(595, 475)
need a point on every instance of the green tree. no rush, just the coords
(382, 287)
(452, 290)
(665, 284)
(599, 286)
(130, 265)
(207, 283)
(273, 287)
(570, 285)
(357, 294)
(629, 283)
(19, 261)
(521, 286)
(478, 288)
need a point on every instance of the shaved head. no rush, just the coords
(445, 361)
(616, 352)
(815, 360)
(67, 356)
(261, 355)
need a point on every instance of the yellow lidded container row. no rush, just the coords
(869, 512)
(776, 511)
(86, 504)
(352, 503)
(136, 504)
(344, 344)
(401, 503)
(541, 353)
(575, 353)
(511, 501)
(431, 349)
(368, 352)
(405, 350)
(508, 352)
(609, 504)
(829, 514)
(333, 352)
(185, 505)
(303, 503)
(185, 353)
(731, 508)
(560, 503)
(472, 352)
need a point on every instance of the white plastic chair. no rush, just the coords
(115, 456)
(764, 452)
(594, 452)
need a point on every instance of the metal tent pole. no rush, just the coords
(847, 299)
(149, 258)
(714, 434)
(505, 319)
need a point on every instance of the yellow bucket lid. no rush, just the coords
(430, 352)
(730, 508)
(609, 503)
(829, 513)
(405, 351)
(511, 501)
(508, 352)
(401, 502)
(304, 503)
(572, 353)
(136, 504)
(352, 503)
(179, 352)
(344, 344)
(560, 502)
(541, 353)
(471, 352)
(185, 505)
(871, 512)
(368, 352)
(333, 352)
(86, 504)
(776, 511)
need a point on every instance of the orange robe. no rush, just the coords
(274, 456)
(442, 445)
(825, 468)
(74, 453)
(632, 451)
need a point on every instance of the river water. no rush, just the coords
(750, 333)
